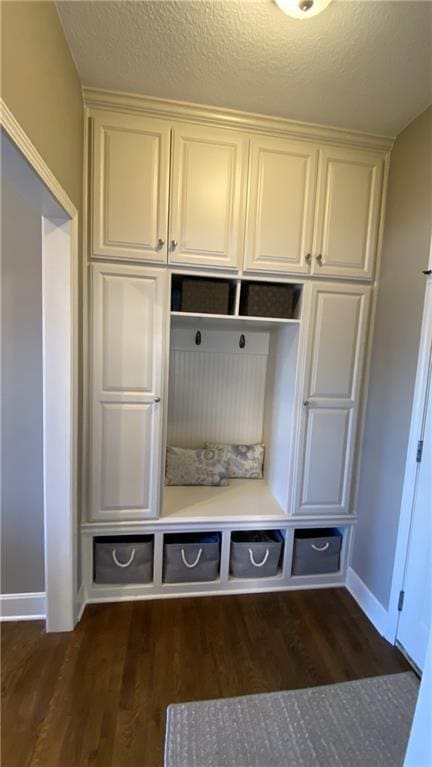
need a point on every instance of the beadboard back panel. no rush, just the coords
(216, 389)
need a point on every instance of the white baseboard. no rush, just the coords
(22, 607)
(374, 610)
(80, 603)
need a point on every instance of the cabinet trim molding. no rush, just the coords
(132, 103)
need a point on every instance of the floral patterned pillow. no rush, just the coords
(204, 466)
(244, 461)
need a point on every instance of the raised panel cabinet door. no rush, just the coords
(128, 308)
(208, 179)
(348, 213)
(281, 203)
(130, 187)
(336, 349)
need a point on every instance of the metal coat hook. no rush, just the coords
(198, 338)
(242, 341)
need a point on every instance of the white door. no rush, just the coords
(128, 309)
(130, 187)
(331, 397)
(207, 197)
(281, 202)
(348, 213)
(415, 618)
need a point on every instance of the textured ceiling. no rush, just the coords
(362, 65)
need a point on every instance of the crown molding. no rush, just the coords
(133, 103)
(31, 154)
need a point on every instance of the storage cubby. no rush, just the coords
(256, 553)
(270, 300)
(123, 559)
(203, 295)
(317, 551)
(191, 557)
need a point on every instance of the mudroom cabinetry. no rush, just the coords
(336, 349)
(208, 192)
(230, 276)
(218, 198)
(130, 180)
(127, 377)
(312, 209)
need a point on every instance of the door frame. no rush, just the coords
(60, 385)
(411, 465)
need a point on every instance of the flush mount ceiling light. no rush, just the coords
(302, 9)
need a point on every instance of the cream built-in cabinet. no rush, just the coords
(130, 179)
(281, 204)
(348, 213)
(178, 193)
(312, 209)
(214, 197)
(208, 182)
(127, 357)
(335, 355)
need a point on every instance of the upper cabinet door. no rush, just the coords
(207, 197)
(331, 395)
(348, 213)
(127, 352)
(130, 187)
(281, 201)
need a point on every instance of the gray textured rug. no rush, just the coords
(355, 724)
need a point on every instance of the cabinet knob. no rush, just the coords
(308, 258)
(306, 403)
(320, 259)
(174, 244)
(156, 399)
(160, 243)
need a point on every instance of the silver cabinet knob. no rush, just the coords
(320, 259)
(160, 243)
(156, 399)
(306, 403)
(174, 244)
(308, 258)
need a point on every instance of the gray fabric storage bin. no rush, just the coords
(316, 551)
(123, 559)
(255, 554)
(191, 557)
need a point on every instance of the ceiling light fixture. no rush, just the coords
(302, 9)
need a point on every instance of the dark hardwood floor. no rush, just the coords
(98, 696)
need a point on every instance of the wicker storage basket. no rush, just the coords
(268, 300)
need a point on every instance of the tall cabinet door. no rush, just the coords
(128, 309)
(130, 187)
(348, 212)
(207, 196)
(281, 202)
(331, 398)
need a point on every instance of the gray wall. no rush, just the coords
(395, 347)
(22, 556)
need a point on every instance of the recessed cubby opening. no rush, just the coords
(270, 299)
(191, 557)
(123, 559)
(203, 295)
(256, 554)
(233, 384)
(317, 551)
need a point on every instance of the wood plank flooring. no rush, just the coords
(98, 696)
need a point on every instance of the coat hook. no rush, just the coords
(242, 342)
(198, 338)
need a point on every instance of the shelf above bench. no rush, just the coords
(228, 321)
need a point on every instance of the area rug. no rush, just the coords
(365, 723)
